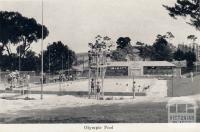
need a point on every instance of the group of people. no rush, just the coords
(15, 80)
(95, 90)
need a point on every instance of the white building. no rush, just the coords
(141, 68)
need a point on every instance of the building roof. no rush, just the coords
(133, 64)
(140, 63)
(180, 63)
(119, 63)
(182, 100)
(156, 63)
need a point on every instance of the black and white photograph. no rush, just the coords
(99, 61)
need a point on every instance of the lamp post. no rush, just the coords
(41, 97)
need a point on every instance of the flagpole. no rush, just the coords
(42, 57)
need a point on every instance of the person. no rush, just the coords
(92, 85)
(192, 76)
(24, 84)
(44, 78)
(24, 79)
(10, 80)
(133, 89)
(14, 82)
(27, 79)
(61, 77)
(27, 84)
(98, 90)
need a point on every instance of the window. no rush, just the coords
(190, 108)
(181, 108)
(117, 71)
(173, 108)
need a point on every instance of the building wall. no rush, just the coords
(140, 68)
(129, 72)
(135, 72)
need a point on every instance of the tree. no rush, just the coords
(124, 49)
(138, 43)
(9, 62)
(146, 51)
(7, 32)
(169, 35)
(30, 62)
(60, 56)
(118, 55)
(187, 9)
(30, 32)
(17, 29)
(101, 47)
(190, 58)
(123, 42)
(161, 49)
(101, 43)
(179, 55)
(192, 37)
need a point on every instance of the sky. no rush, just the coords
(77, 22)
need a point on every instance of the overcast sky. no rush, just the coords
(77, 22)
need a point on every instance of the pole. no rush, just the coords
(42, 57)
(19, 63)
(62, 64)
(195, 47)
(133, 88)
(61, 77)
(49, 60)
(83, 62)
(103, 72)
(19, 59)
(69, 61)
(89, 81)
(172, 82)
(0, 75)
(97, 72)
(197, 57)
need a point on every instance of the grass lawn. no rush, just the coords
(126, 112)
(115, 113)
